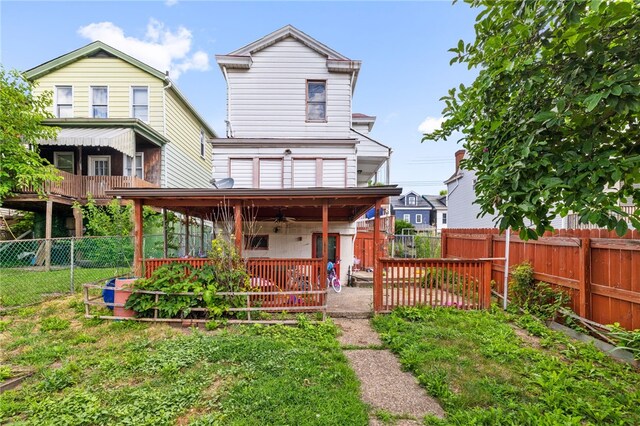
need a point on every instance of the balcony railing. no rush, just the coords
(76, 186)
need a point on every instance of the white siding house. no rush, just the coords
(290, 125)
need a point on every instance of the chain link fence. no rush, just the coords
(415, 246)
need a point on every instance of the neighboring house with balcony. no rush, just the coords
(290, 126)
(123, 124)
(424, 212)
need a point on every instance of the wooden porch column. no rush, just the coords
(137, 237)
(325, 242)
(165, 243)
(202, 249)
(377, 270)
(77, 216)
(47, 235)
(237, 211)
(187, 249)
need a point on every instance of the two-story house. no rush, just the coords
(424, 212)
(290, 125)
(123, 124)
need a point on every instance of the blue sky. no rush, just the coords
(402, 45)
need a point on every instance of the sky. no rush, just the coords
(403, 47)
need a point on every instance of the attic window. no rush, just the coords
(316, 100)
(411, 200)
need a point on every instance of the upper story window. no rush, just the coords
(316, 100)
(202, 143)
(140, 102)
(99, 102)
(411, 200)
(64, 101)
(406, 217)
(134, 166)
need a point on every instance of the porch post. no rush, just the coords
(202, 250)
(186, 230)
(77, 216)
(377, 270)
(47, 235)
(325, 242)
(165, 243)
(237, 210)
(137, 238)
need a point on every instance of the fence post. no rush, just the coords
(486, 284)
(488, 250)
(73, 261)
(443, 244)
(584, 278)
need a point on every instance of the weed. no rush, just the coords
(4, 325)
(54, 324)
(5, 372)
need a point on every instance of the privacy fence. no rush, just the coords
(600, 271)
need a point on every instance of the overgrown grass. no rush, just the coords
(103, 372)
(23, 286)
(484, 373)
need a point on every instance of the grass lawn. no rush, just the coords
(483, 371)
(93, 372)
(24, 286)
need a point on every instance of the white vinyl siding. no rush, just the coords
(241, 172)
(333, 173)
(269, 99)
(304, 173)
(271, 173)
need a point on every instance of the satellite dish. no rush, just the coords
(225, 183)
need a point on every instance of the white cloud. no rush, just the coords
(430, 124)
(170, 2)
(161, 48)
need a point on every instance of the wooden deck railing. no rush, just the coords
(282, 279)
(76, 186)
(387, 224)
(463, 284)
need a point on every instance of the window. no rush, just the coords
(316, 101)
(99, 102)
(444, 218)
(64, 161)
(418, 218)
(140, 103)
(406, 218)
(256, 242)
(99, 165)
(270, 173)
(411, 200)
(134, 168)
(64, 101)
(202, 142)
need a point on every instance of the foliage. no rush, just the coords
(21, 116)
(54, 324)
(484, 373)
(23, 224)
(626, 339)
(551, 122)
(129, 373)
(402, 224)
(536, 298)
(225, 273)
(427, 246)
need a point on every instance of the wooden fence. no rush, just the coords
(286, 284)
(463, 284)
(600, 271)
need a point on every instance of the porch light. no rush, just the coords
(287, 151)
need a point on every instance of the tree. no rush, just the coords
(21, 115)
(402, 224)
(551, 124)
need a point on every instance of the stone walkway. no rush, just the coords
(384, 385)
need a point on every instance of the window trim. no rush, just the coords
(406, 217)
(444, 218)
(412, 200)
(203, 150)
(91, 104)
(132, 105)
(92, 169)
(56, 154)
(125, 158)
(306, 115)
(250, 240)
(56, 105)
(418, 217)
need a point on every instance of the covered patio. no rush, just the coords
(239, 210)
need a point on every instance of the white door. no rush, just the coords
(99, 165)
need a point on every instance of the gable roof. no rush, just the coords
(97, 48)
(336, 62)
(437, 201)
(421, 202)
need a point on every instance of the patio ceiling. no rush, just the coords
(344, 204)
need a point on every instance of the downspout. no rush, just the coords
(164, 130)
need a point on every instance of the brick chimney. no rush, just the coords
(459, 156)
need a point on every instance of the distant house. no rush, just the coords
(424, 212)
(290, 126)
(122, 124)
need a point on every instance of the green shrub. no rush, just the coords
(537, 298)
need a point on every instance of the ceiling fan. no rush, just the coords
(281, 218)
